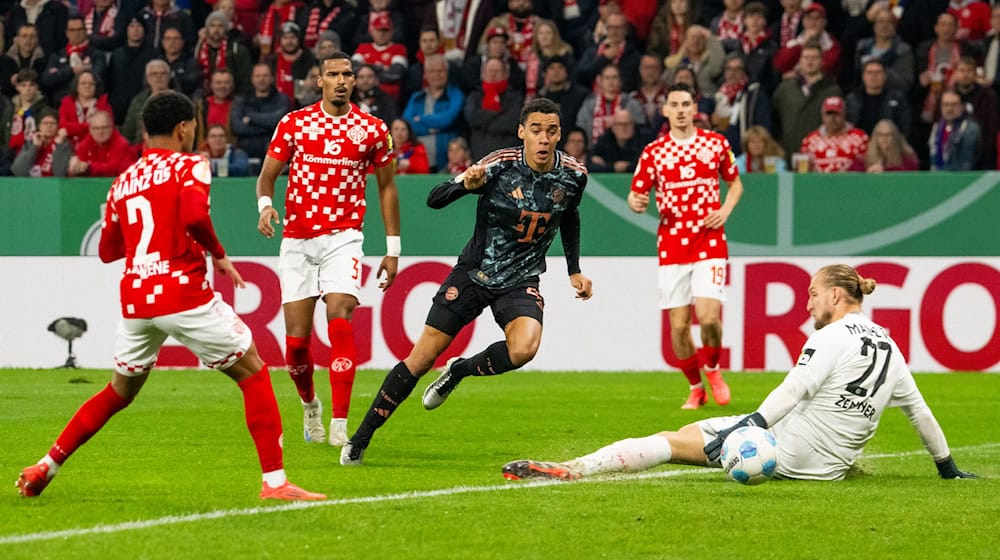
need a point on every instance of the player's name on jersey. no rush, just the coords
(873, 330)
(146, 269)
(707, 181)
(846, 402)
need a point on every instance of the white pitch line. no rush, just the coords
(416, 495)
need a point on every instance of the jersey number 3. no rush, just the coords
(880, 352)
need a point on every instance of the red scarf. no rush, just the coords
(934, 94)
(789, 27)
(491, 94)
(749, 44)
(275, 16)
(83, 112)
(531, 72)
(730, 28)
(520, 40)
(730, 91)
(603, 109)
(106, 27)
(80, 49)
(205, 60)
(317, 25)
(43, 160)
(284, 80)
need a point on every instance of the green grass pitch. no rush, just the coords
(175, 476)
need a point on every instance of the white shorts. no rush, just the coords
(796, 458)
(328, 264)
(213, 332)
(679, 284)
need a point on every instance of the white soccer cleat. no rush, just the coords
(438, 390)
(351, 456)
(312, 421)
(338, 432)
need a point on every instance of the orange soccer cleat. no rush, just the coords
(33, 480)
(720, 391)
(517, 470)
(288, 491)
(695, 399)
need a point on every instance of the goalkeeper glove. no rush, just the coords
(714, 447)
(947, 469)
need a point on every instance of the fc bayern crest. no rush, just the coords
(356, 134)
(705, 155)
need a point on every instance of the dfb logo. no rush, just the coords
(331, 147)
(687, 172)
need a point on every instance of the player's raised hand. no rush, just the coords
(266, 222)
(225, 267)
(583, 286)
(475, 177)
(638, 202)
(390, 265)
(716, 219)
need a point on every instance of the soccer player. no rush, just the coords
(683, 168)
(157, 219)
(823, 413)
(526, 195)
(329, 147)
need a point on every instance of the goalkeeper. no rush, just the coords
(822, 414)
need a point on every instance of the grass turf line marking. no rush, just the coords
(416, 495)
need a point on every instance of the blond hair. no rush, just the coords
(893, 156)
(771, 147)
(847, 278)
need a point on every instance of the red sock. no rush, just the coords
(691, 370)
(300, 366)
(342, 358)
(87, 421)
(263, 419)
(709, 356)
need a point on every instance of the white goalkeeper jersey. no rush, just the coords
(848, 373)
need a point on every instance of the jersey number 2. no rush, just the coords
(880, 352)
(141, 211)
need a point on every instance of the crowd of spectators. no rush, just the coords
(822, 85)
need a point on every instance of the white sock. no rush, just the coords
(53, 465)
(276, 478)
(698, 386)
(627, 455)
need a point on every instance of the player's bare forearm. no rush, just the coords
(225, 267)
(388, 197)
(390, 267)
(268, 216)
(583, 286)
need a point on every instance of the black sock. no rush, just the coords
(398, 385)
(492, 361)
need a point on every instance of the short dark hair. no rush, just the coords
(539, 105)
(164, 111)
(679, 87)
(98, 84)
(27, 75)
(48, 112)
(757, 8)
(337, 55)
(430, 28)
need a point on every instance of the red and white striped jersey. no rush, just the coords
(329, 157)
(833, 154)
(165, 270)
(685, 175)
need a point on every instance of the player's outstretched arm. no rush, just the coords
(714, 447)
(734, 192)
(450, 191)
(268, 218)
(388, 196)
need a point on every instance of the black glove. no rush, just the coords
(714, 447)
(947, 469)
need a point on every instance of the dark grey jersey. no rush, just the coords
(519, 213)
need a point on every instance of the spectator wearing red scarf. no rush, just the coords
(410, 154)
(48, 152)
(493, 111)
(280, 12)
(217, 50)
(85, 99)
(290, 61)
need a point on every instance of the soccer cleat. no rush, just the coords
(518, 470)
(338, 432)
(720, 391)
(695, 399)
(350, 456)
(312, 421)
(289, 492)
(438, 391)
(33, 480)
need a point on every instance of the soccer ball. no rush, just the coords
(750, 455)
